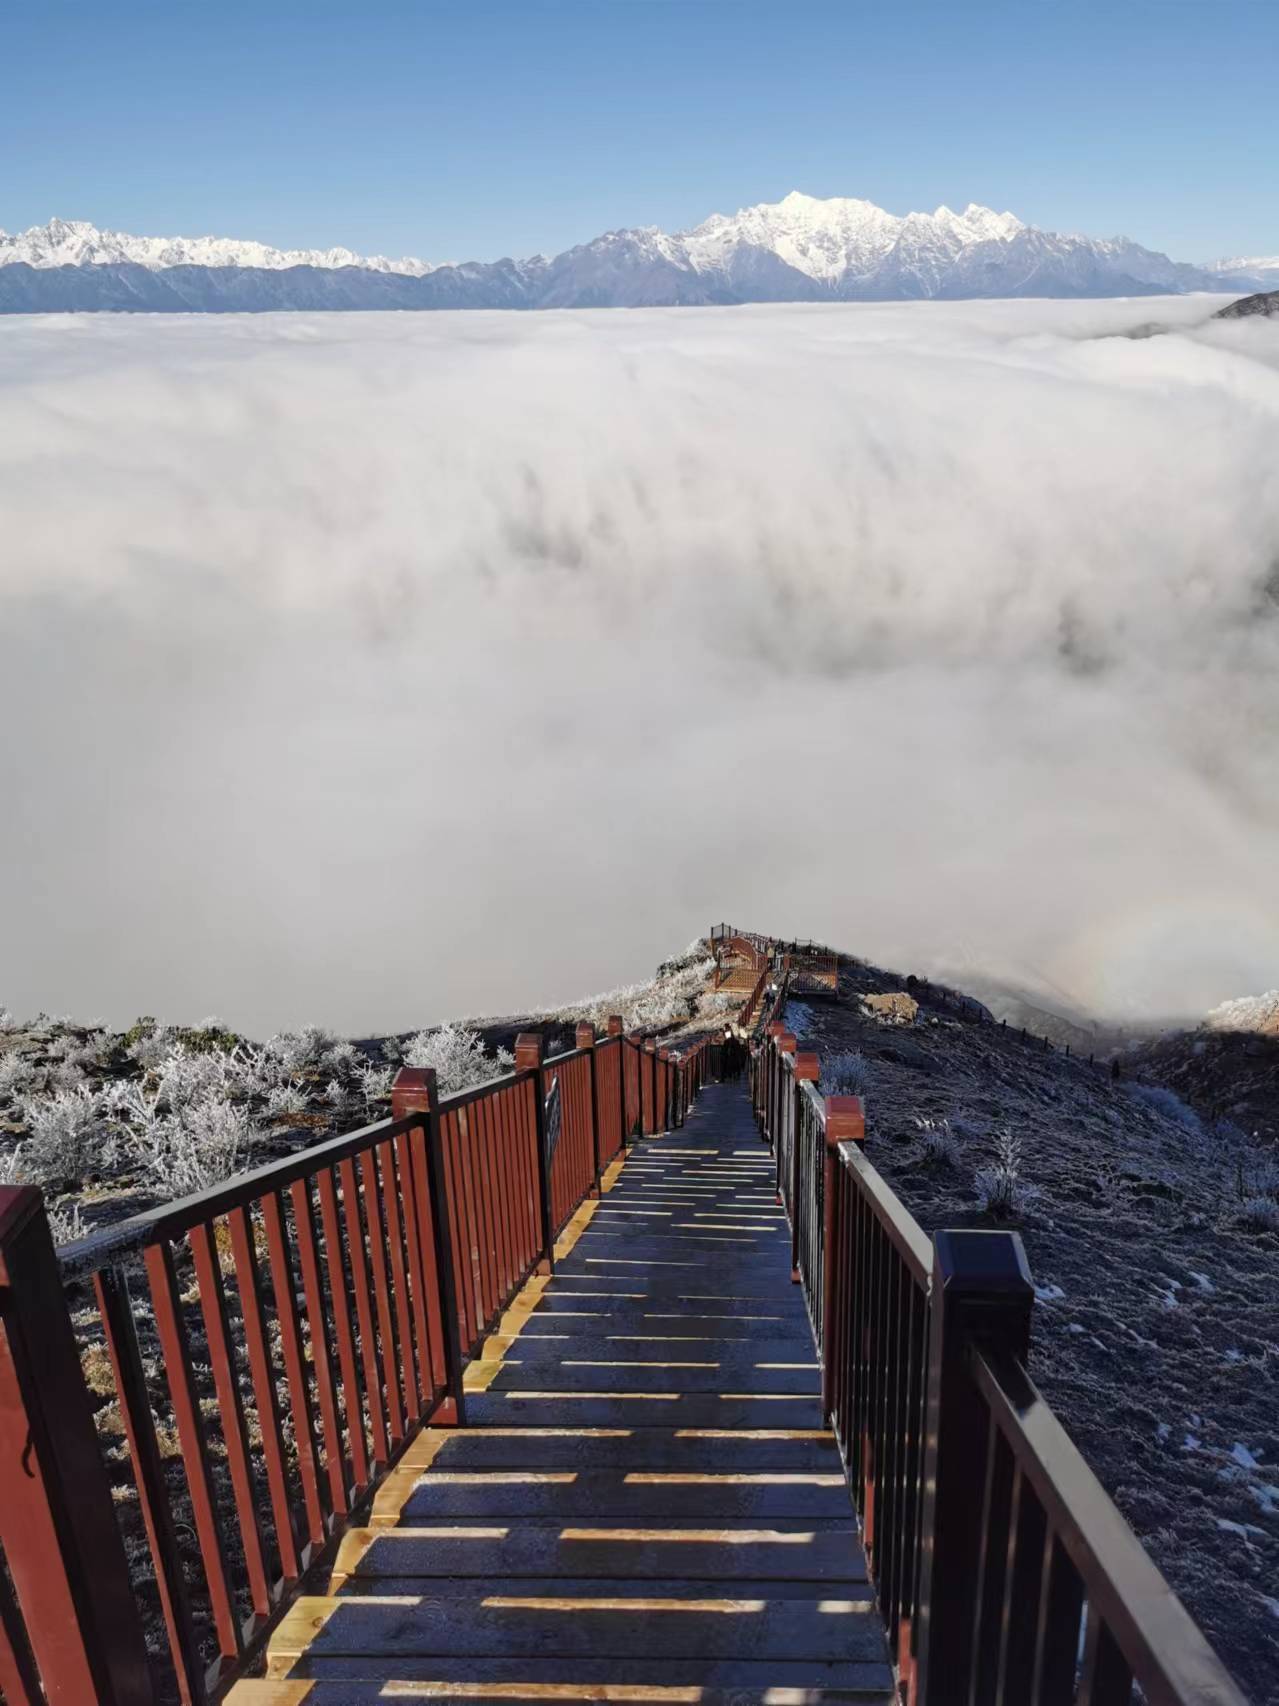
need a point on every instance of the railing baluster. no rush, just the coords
(120, 1331)
(992, 1568)
(417, 1278)
(266, 1397)
(213, 1307)
(382, 1296)
(1025, 1561)
(175, 1350)
(393, 1193)
(364, 1312)
(286, 1315)
(321, 1347)
(1106, 1679)
(482, 1169)
(1057, 1629)
(344, 1332)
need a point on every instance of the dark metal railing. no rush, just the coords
(1004, 1573)
(267, 1350)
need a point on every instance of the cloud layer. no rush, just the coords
(371, 669)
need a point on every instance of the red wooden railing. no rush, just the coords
(1003, 1571)
(270, 1347)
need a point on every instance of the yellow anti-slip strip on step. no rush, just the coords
(282, 1692)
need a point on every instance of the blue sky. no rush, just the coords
(471, 131)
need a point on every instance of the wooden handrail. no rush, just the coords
(337, 1289)
(967, 1484)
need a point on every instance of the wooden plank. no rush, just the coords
(782, 1549)
(637, 1495)
(515, 1683)
(624, 1374)
(394, 1628)
(629, 1448)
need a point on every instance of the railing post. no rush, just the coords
(981, 1293)
(807, 1071)
(528, 1058)
(649, 1054)
(665, 1075)
(616, 1029)
(416, 1091)
(585, 1038)
(57, 1526)
(783, 1044)
(845, 1122)
(772, 1031)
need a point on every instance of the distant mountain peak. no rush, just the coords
(801, 248)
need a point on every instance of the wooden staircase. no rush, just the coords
(645, 1505)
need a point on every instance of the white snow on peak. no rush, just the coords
(74, 242)
(827, 239)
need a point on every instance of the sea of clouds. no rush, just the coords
(373, 669)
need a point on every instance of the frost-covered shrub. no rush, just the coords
(335, 1093)
(458, 1056)
(659, 1002)
(341, 1060)
(296, 1051)
(1160, 1100)
(7, 1021)
(1000, 1189)
(185, 1076)
(66, 1136)
(939, 1143)
(11, 1168)
(1259, 1214)
(375, 1084)
(285, 1100)
(846, 1074)
(67, 1075)
(191, 1150)
(65, 1222)
(15, 1075)
(148, 1048)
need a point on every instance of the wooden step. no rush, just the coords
(624, 1448)
(637, 1495)
(383, 1632)
(785, 1548)
(612, 1683)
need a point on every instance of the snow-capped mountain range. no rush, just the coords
(795, 250)
(75, 243)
